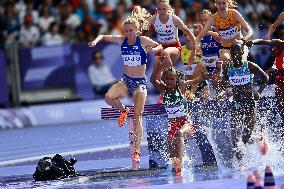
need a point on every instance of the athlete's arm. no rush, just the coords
(259, 72)
(109, 38)
(273, 26)
(207, 27)
(215, 35)
(158, 84)
(180, 25)
(151, 31)
(273, 42)
(150, 45)
(198, 77)
(225, 79)
(244, 25)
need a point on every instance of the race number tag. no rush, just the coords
(229, 33)
(132, 60)
(210, 61)
(240, 79)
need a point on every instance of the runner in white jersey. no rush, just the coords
(166, 26)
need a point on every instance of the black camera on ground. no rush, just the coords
(54, 168)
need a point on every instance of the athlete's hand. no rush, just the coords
(197, 28)
(249, 44)
(92, 44)
(267, 36)
(149, 49)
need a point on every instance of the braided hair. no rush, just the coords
(180, 75)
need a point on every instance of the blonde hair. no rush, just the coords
(140, 18)
(232, 4)
(205, 11)
(170, 10)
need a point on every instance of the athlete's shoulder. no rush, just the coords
(251, 64)
(234, 12)
(175, 17)
(153, 19)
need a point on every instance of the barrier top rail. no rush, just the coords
(150, 109)
(264, 104)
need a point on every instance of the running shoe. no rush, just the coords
(178, 171)
(122, 118)
(176, 163)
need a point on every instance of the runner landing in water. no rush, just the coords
(239, 75)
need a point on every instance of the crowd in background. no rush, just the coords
(54, 22)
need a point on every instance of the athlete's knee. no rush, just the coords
(165, 55)
(224, 57)
(109, 98)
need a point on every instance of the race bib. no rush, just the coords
(175, 111)
(210, 61)
(229, 33)
(189, 70)
(240, 79)
(132, 60)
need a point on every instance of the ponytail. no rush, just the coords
(140, 18)
(232, 4)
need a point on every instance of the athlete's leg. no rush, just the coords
(176, 148)
(170, 57)
(246, 53)
(249, 122)
(139, 98)
(236, 116)
(187, 131)
(117, 91)
(224, 55)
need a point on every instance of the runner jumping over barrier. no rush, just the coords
(228, 23)
(134, 50)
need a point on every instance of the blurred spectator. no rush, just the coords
(65, 32)
(52, 37)
(97, 12)
(82, 9)
(29, 34)
(100, 74)
(245, 7)
(179, 11)
(108, 15)
(45, 19)
(90, 26)
(48, 4)
(29, 10)
(9, 24)
(20, 5)
(66, 16)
